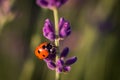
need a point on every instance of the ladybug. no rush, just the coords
(43, 50)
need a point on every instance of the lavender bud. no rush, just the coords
(70, 61)
(50, 3)
(64, 28)
(48, 30)
(47, 60)
(51, 65)
(59, 3)
(59, 69)
(52, 56)
(60, 63)
(64, 53)
(66, 68)
(42, 3)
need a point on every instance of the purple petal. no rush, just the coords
(51, 65)
(48, 30)
(50, 36)
(50, 3)
(59, 69)
(64, 28)
(60, 2)
(47, 60)
(52, 56)
(60, 63)
(42, 3)
(66, 69)
(70, 61)
(49, 26)
(62, 20)
(64, 52)
(65, 31)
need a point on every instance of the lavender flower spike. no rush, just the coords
(64, 28)
(63, 65)
(50, 3)
(48, 30)
(51, 65)
(64, 53)
(70, 61)
(66, 69)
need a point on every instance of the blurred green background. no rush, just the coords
(95, 39)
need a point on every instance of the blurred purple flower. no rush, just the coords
(49, 32)
(6, 13)
(5, 6)
(62, 64)
(50, 3)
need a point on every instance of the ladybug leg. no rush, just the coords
(51, 48)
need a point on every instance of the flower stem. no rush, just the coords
(55, 12)
(57, 75)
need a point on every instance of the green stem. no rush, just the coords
(55, 12)
(57, 75)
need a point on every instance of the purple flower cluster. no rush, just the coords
(62, 64)
(50, 3)
(49, 32)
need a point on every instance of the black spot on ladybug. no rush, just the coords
(43, 46)
(43, 55)
(38, 51)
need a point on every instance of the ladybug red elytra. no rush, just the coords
(43, 50)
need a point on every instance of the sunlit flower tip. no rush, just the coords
(64, 53)
(51, 65)
(64, 28)
(70, 61)
(48, 30)
(50, 3)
